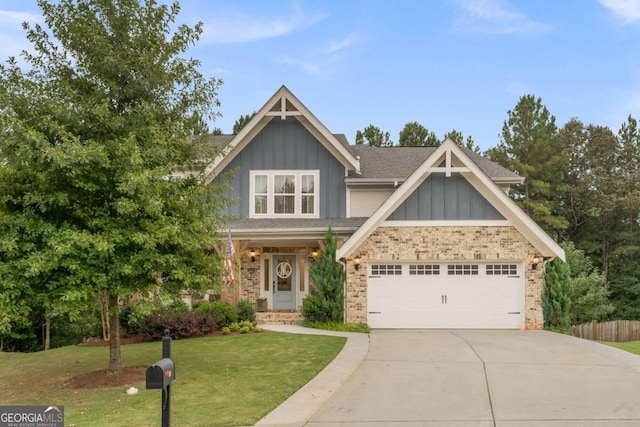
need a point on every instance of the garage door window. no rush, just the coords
(462, 269)
(386, 269)
(424, 270)
(502, 269)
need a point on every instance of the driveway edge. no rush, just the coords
(303, 404)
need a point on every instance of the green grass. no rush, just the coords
(220, 381)
(338, 326)
(630, 346)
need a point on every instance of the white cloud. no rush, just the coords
(17, 18)
(308, 66)
(343, 43)
(13, 39)
(243, 28)
(323, 59)
(495, 17)
(626, 10)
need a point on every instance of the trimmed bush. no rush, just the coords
(223, 312)
(245, 311)
(315, 309)
(181, 325)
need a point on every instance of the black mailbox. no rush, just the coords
(161, 374)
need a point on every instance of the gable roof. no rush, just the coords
(397, 163)
(456, 160)
(281, 105)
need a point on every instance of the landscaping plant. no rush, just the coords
(326, 292)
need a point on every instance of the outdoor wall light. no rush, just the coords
(253, 253)
(314, 253)
(356, 262)
(534, 262)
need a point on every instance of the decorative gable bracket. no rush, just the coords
(284, 104)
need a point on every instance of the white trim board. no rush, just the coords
(447, 151)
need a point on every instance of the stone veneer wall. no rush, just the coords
(250, 274)
(442, 244)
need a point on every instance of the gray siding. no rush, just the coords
(442, 198)
(286, 144)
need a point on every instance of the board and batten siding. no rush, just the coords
(287, 145)
(445, 198)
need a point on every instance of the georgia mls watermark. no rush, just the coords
(31, 416)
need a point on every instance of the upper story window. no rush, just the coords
(284, 193)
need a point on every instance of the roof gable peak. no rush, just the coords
(283, 104)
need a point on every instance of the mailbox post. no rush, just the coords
(161, 374)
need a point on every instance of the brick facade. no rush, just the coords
(442, 244)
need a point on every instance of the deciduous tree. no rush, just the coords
(590, 294)
(91, 132)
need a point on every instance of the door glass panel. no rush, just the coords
(284, 275)
(266, 275)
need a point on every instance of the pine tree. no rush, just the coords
(373, 137)
(531, 147)
(326, 293)
(413, 134)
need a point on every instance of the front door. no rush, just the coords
(284, 282)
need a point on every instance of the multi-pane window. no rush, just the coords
(308, 194)
(502, 270)
(261, 193)
(386, 269)
(284, 193)
(462, 269)
(424, 270)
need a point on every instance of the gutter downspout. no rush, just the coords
(343, 261)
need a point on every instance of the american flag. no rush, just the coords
(229, 266)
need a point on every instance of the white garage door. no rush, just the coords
(480, 296)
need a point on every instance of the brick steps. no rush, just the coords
(279, 318)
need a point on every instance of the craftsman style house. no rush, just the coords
(428, 235)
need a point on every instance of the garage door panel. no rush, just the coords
(449, 296)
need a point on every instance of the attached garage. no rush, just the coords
(446, 295)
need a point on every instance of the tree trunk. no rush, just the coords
(103, 300)
(115, 360)
(47, 334)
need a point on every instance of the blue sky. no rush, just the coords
(447, 64)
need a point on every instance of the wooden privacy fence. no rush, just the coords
(615, 330)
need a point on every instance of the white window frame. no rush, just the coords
(270, 174)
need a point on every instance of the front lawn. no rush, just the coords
(220, 381)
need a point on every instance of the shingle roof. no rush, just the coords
(394, 162)
(400, 162)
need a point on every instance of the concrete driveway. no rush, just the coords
(454, 378)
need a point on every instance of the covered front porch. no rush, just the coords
(272, 258)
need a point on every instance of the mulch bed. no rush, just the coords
(104, 379)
